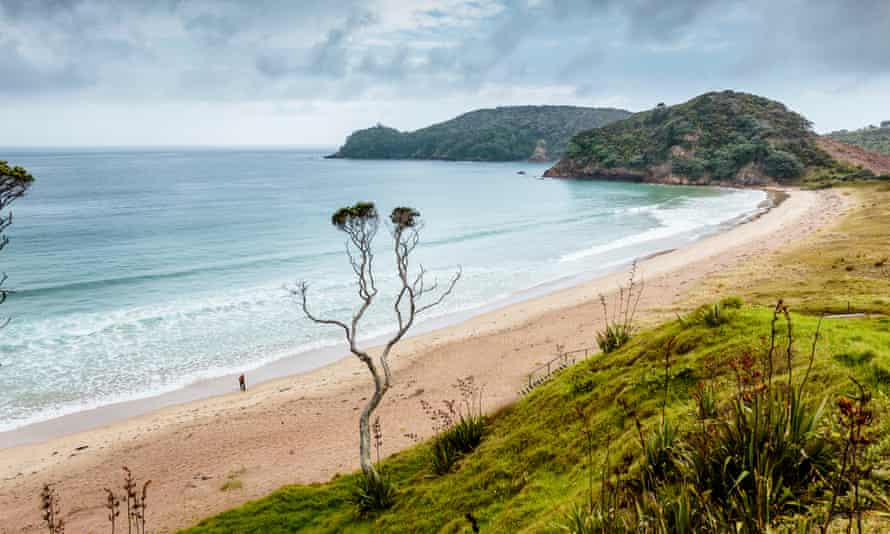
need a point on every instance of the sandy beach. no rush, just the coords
(302, 428)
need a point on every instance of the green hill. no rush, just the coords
(633, 442)
(870, 137)
(717, 138)
(508, 133)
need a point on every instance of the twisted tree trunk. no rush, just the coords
(359, 223)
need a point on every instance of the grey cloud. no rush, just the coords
(328, 58)
(665, 22)
(242, 50)
(23, 76)
(213, 28)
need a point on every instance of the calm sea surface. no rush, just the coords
(140, 271)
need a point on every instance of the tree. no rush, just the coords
(360, 223)
(14, 182)
(782, 164)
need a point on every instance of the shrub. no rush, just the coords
(619, 324)
(765, 459)
(443, 455)
(467, 433)
(714, 316)
(661, 453)
(459, 426)
(612, 338)
(372, 495)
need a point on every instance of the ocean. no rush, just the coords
(141, 271)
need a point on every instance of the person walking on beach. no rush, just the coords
(242, 382)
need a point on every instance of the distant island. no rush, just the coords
(721, 138)
(510, 133)
(876, 138)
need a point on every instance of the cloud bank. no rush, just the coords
(275, 71)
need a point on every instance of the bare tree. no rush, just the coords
(14, 182)
(360, 224)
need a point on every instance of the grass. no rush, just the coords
(841, 268)
(532, 469)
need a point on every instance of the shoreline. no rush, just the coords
(307, 361)
(306, 422)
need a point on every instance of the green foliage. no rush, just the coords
(870, 138)
(620, 320)
(661, 455)
(462, 438)
(530, 469)
(404, 217)
(501, 134)
(443, 456)
(467, 433)
(357, 213)
(15, 174)
(459, 426)
(692, 167)
(613, 337)
(713, 315)
(783, 165)
(372, 495)
(711, 137)
(765, 461)
(601, 519)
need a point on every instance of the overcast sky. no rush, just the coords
(169, 72)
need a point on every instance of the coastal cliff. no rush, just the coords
(511, 133)
(720, 138)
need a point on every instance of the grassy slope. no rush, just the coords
(531, 467)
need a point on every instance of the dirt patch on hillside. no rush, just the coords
(855, 155)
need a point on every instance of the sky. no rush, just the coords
(278, 72)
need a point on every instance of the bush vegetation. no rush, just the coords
(619, 324)
(458, 426)
(532, 469)
(500, 134)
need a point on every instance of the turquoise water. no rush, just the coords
(141, 271)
